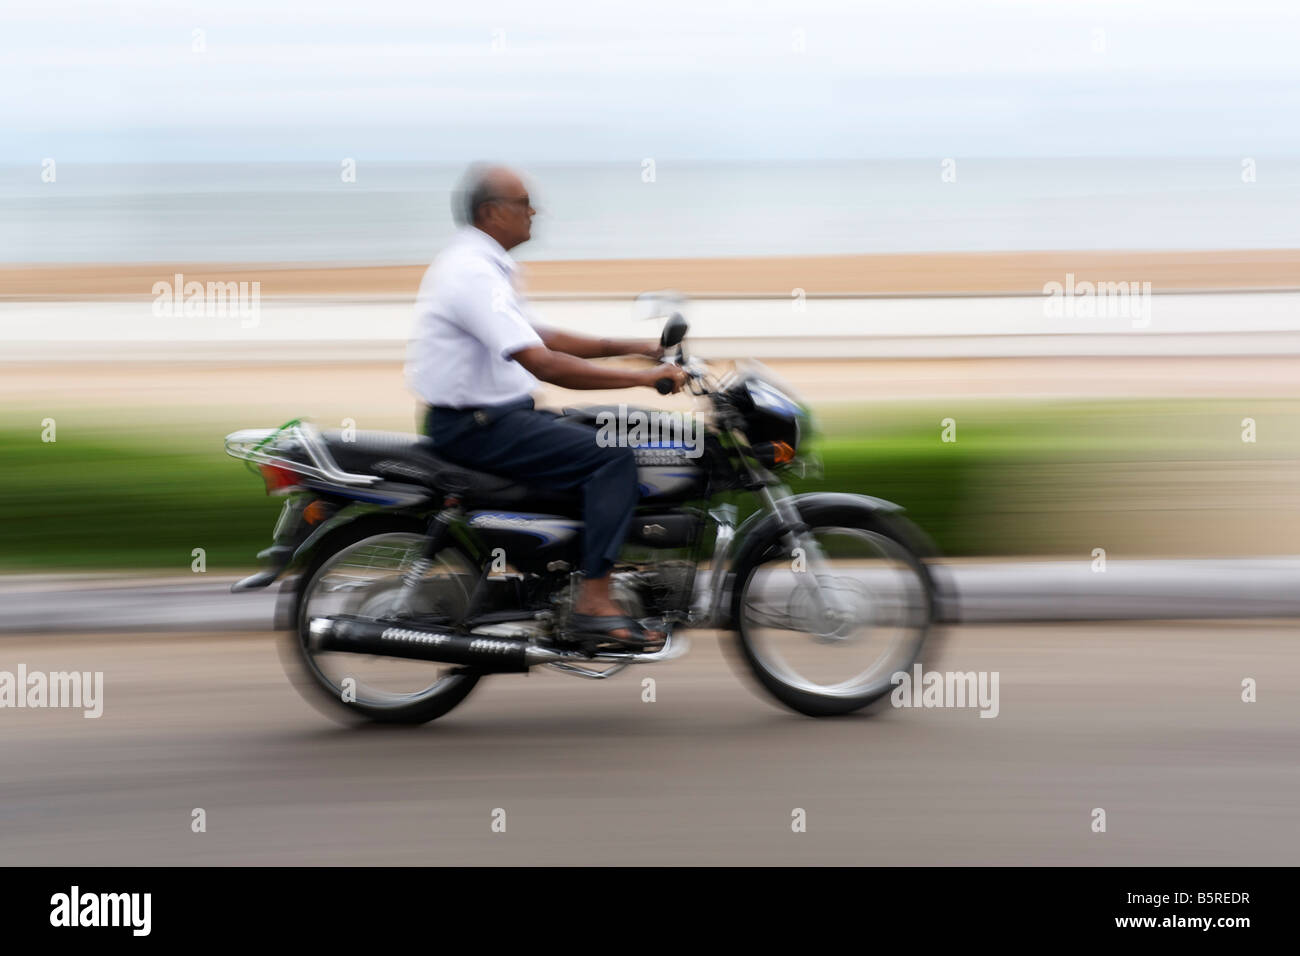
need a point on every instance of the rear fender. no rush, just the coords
(303, 552)
(323, 541)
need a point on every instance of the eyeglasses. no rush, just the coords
(523, 202)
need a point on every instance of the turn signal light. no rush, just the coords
(773, 452)
(316, 512)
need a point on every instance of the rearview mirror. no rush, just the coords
(658, 305)
(674, 331)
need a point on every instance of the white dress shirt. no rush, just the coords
(469, 320)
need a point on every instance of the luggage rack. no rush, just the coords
(271, 446)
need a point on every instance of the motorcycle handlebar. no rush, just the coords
(664, 386)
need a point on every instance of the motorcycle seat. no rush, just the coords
(398, 456)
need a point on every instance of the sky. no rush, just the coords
(421, 80)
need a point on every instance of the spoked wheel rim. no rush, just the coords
(876, 605)
(365, 580)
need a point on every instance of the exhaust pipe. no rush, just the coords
(493, 654)
(496, 654)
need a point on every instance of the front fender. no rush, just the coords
(761, 523)
(763, 531)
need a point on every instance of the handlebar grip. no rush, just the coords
(664, 386)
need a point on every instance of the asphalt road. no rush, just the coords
(1143, 720)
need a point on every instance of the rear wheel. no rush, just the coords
(825, 635)
(361, 574)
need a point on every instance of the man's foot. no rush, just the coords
(616, 627)
(596, 614)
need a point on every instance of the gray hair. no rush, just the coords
(474, 190)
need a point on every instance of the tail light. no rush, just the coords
(278, 480)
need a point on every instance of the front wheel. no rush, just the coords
(824, 626)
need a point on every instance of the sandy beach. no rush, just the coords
(909, 273)
(374, 394)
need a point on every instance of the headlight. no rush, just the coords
(770, 399)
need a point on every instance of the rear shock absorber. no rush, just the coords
(435, 540)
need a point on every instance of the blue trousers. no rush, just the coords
(541, 449)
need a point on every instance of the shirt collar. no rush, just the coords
(473, 236)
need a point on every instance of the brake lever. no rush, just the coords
(696, 372)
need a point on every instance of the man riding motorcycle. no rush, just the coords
(396, 606)
(477, 355)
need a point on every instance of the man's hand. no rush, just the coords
(674, 373)
(651, 350)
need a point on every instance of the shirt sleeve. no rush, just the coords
(489, 309)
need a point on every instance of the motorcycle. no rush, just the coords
(408, 578)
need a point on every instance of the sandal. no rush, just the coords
(603, 626)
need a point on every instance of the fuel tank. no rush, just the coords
(669, 446)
